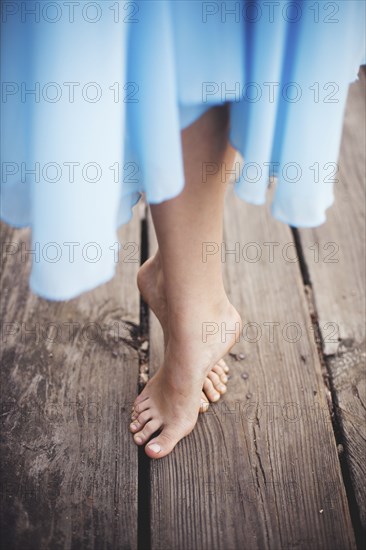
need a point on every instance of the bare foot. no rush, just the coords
(170, 401)
(151, 286)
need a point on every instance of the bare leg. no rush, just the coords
(150, 280)
(194, 290)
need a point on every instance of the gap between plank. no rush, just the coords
(144, 484)
(330, 392)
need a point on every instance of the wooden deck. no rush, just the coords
(277, 464)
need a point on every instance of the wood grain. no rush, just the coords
(339, 289)
(335, 251)
(69, 465)
(261, 469)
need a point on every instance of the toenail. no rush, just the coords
(155, 448)
(222, 387)
(138, 439)
(134, 426)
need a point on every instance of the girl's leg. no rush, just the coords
(194, 288)
(150, 280)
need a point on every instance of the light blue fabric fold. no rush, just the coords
(116, 82)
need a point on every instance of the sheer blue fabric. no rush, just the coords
(95, 95)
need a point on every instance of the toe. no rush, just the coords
(141, 405)
(219, 386)
(210, 391)
(218, 369)
(224, 365)
(134, 427)
(150, 428)
(140, 421)
(162, 445)
(144, 417)
(221, 373)
(204, 403)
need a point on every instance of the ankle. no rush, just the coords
(156, 261)
(150, 277)
(191, 319)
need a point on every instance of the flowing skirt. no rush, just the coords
(95, 95)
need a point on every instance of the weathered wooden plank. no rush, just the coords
(349, 385)
(69, 376)
(335, 251)
(260, 470)
(338, 284)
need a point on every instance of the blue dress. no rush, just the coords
(95, 95)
